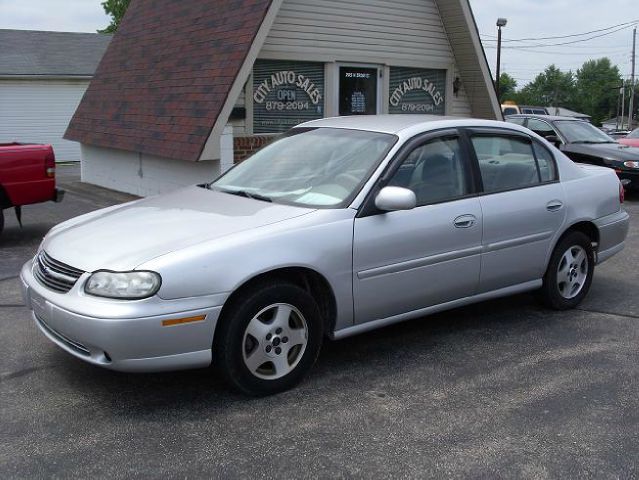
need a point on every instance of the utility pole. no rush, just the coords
(618, 106)
(631, 111)
(501, 22)
(623, 103)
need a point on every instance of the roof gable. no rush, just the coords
(461, 28)
(166, 75)
(168, 81)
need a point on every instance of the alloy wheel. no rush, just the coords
(274, 341)
(572, 272)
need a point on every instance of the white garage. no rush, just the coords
(43, 76)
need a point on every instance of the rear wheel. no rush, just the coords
(570, 272)
(268, 338)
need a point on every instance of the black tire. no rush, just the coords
(550, 292)
(230, 344)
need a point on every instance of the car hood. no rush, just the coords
(607, 151)
(123, 237)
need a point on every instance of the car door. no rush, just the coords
(522, 204)
(407, 260)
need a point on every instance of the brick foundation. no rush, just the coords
(246, 146)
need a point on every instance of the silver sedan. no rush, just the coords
(338, 227)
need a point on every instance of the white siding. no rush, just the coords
(407, 33)
(39, 111)
(403, 32)
(461, 103)
(144, 175)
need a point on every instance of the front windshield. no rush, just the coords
(320, 167)
(577, 131)
(634, 134)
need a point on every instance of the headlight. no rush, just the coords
(631, 164)
(125, 285)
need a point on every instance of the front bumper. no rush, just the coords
(130, 335)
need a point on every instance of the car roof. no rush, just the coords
(544, 117)
(397, 124)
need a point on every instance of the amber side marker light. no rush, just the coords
(182, 321)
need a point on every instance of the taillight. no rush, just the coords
(49, 163)
(622, 193)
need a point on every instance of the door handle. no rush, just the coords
(465, 221)
(554, 206)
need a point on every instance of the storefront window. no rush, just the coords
(286, 94)
(416, 90)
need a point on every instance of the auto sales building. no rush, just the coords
(187, 88)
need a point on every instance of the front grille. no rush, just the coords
(55, 275)
(75, 346)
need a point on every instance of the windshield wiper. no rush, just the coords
(254, 196)
(592, 142)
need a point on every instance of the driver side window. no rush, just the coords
(434, 171)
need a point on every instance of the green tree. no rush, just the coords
(116, 10)
(552, 87)
(507, 88)
(597, 89)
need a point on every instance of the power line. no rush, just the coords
(544, 45)
(594, 51)
(562, 36)
(546, 52)
(520, 71)
(580, 47)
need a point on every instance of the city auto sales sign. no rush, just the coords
(287, 78)
(417, 84)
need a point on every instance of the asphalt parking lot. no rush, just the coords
(505, 389)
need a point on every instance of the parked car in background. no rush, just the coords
(618, 134)
(632, 139)
(510, 108)
(338, 227)
(27, 176)
(584, 143)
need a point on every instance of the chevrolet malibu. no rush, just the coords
(338, 227)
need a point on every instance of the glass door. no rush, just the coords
(358, 90)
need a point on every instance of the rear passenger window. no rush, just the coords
(546, 162)
(506, 163)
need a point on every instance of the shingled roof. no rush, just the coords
(166, 76)
(57, 54)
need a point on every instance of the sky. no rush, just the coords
(526, 19)
(547, 18)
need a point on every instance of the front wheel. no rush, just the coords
(269, 338)
(570, 272)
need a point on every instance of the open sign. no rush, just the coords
(286, 95)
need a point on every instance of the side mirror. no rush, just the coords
(390, 199)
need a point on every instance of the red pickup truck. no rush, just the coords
(27, 176)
